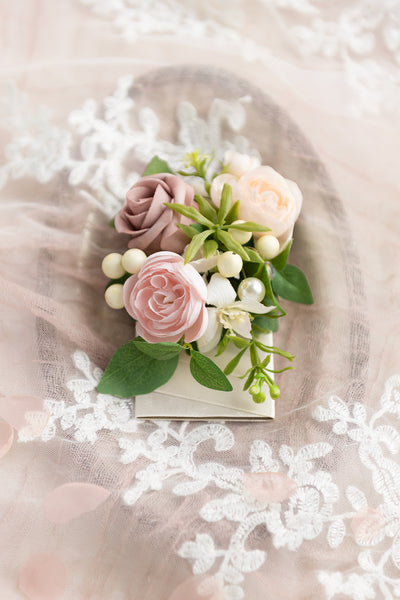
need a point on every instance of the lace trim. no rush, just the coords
(313, 508)
(103, 137)
(349, 33)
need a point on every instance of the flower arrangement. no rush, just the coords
(205, 267)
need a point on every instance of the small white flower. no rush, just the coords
(227, 313)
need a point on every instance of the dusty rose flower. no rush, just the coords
(151, 225)
(167, 298)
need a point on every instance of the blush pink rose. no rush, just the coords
(269, 199)
(167, 299)
(265, 197)
(151, 225)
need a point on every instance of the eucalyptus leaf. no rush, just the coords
(131, 372)
(112, 223)
(196, 244)
(205, 208)
(279, 262)
(190, 213)
(291, 284)
(157, 165)
(225, 203)
(231, 366)
(206, 372)
(232, 244)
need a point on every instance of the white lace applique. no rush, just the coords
(103, 138)
(346, 32)
(302, 516)
(90, 412)
(365, 513)
(208, 19)
(374, 523)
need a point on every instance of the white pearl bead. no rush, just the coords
(229, 264)
(240, 236)
(133, 260)
(114, 295)
(268, 246)
(251, 288)
(112, 266)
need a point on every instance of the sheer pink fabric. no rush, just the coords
(95, 505)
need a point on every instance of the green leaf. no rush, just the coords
(157, 165)
(254, 256)
(188, 230)
(206, 372)
(233, 214)
(231, 366)
(232, 244)
(225, 204)
(196, 244)
(265, 323)
(249, 226)
(239, 341)
(249, 380)
(291, 284)
(131, 372)
(274, 350)
(112, 223)
(223, 344)
(160, 350)
(210, 248)
(279, 262)
(190, 213)
(205, 208)
(120, 280)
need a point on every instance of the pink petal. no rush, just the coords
(43, 577)
(24, 412)
(269, 487)
(6, 437)
(367, 526)
(70, 500)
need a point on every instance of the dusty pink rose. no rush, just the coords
(151, 225)
(167, 298)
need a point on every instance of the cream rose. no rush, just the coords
(269, 199)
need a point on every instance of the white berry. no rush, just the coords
(114, 295)
(112, 266)
(229, 264)
(133, 260)
(268, 246)
(240, 236)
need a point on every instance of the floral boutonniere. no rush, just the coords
(205, 267)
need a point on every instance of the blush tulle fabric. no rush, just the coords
(97, 505)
